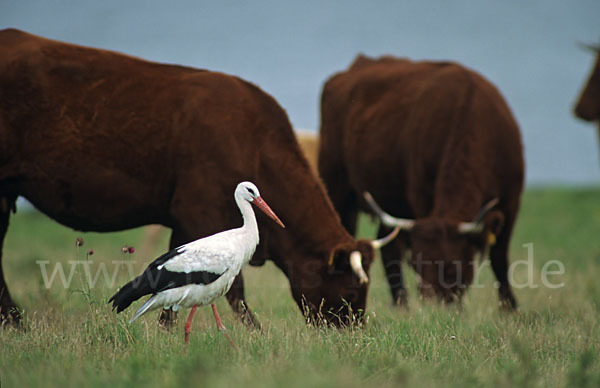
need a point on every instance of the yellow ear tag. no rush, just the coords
(330, 261)
(491, 239)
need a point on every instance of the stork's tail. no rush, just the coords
(149, 305)
(128, 294)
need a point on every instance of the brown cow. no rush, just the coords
(433, 142)
(100, 141)
(588, 105)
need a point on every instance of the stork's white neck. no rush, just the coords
(250, 226)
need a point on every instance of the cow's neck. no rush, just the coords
(312, 224)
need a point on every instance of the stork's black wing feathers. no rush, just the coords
(154, 280)
(178, 279)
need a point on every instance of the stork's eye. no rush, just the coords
(250, 191)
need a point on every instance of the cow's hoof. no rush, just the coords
(401, 299)
(167, 318)
(10, 316)
(250, 321)
(509, 304)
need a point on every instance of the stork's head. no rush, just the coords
(248, 191)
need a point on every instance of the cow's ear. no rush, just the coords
(339, 258)
(338, 262)
(367, 252)
(493, 224)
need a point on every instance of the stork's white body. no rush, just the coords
(199, 272)
(224, 253)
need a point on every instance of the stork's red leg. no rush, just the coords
(188, 324)
(237, 301)
(222, 327)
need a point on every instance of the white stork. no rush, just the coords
(197, 273)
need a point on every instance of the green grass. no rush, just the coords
(73, 339)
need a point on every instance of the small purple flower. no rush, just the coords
(127, 249)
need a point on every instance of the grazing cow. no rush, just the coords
(588, 104)
(434, 143)
(101, 141)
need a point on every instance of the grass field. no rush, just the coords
(72, 338)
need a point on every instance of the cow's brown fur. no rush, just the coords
(100, 141)
(434, 142)
(588, 105)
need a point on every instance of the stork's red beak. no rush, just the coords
(262, 205)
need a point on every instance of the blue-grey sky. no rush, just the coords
(528, 48)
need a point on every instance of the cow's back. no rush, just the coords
(83, 123)
(414, 129)
(588, 104)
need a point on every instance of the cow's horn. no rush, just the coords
(380, 243)
(386, 219)
(476, 226)
(356, 264)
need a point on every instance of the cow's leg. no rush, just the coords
(391, 256)
(500, 263)
(349, 213)
(237, 300)
(341, 194)
(9, 311)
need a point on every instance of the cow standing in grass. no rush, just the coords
(434, 143)
(101, 141)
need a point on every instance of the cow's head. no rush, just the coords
(443, 251)
(330, 286)
(588, 104)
